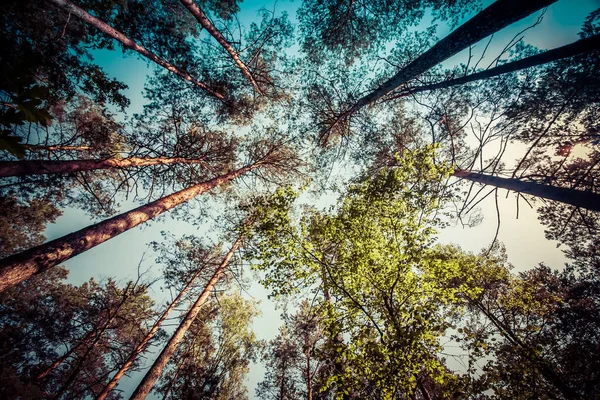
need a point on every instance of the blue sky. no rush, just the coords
(524, 237)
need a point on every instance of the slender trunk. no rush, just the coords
(490, 20)
(178, 370)
(282, 392)
(173, 380)
(130, 44)
(145, 386)
(57, 363)
(334, 337)
(580, 47)
(309, 395)
(75, 372)
(21, 266)
(64, 357)
(141, 347)
(42, 167)
(578, 198)
(214, 32)
(35, 147)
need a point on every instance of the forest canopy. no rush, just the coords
(313, 199)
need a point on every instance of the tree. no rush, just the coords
(144, 343)
(296, 358)
(585, 45)
(281, 379)
(35, 167)
(214, 32)
(213, 359)
(533, 328)
(577, 198)
(367, 255)
(353, 29)
(23, 223)
(65, 340)
(91, 129)
(156, 370)
(45, 60)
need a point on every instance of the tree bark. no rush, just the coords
(130, 44)
(309, 394)
(578, 198)
(19, 267)
(42, 167)
(145, 386)
(495, 17)
(34, 147)
(141, 347)
(215, 33)
(579, 47)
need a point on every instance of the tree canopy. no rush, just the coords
(321, 153)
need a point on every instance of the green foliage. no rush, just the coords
(296, 359)
(214, 358)
(352, 29)
(372, 259)
(384, 296)
(22, 224)
(64, 340)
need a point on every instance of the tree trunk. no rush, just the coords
(173, 380)
(580, 47)
(578, 198)
(495, 17)
(64, 357)
(333, 337)
(142, 345)
(145, 386)
(309, 394)
(130, 44)
(424, 391)
(35, 147)
(19, 267)
(42, 167)
(214, 32)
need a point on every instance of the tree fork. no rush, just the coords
(146, 385)
(130, 44)
(578, 198)
(21, 266)
(215, 33)
(42, 167)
